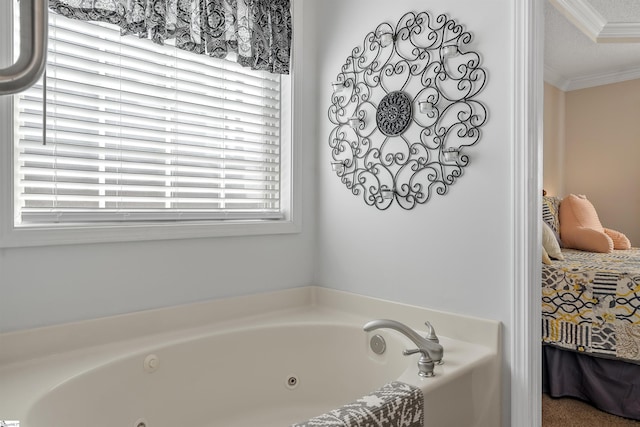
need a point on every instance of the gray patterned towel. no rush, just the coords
(393, 405)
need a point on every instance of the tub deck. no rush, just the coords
(464, 392)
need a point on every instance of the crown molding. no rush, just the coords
(565, 84)
(556, 79)
(583, 16)
(588, 20)
(593, 80)
(620, 32)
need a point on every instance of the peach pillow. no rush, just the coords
(620, 241)
(580, 227)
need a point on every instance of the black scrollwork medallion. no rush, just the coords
(403, 103)
(394, 114)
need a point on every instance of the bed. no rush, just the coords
(591, 329)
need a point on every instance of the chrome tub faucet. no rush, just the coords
(429, 347)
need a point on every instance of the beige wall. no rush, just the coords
(553, 159)
(602, 152)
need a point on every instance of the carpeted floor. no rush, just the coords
(566, 412)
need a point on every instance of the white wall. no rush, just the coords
(49, 285)
(450, 253)
(453, 253)
(56, 284)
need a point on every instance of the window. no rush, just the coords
(137, 131)
(141, 135)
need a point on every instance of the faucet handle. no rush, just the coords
(416, 350)
(425, 364)
(431, 332)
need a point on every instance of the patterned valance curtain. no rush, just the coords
(258, 31)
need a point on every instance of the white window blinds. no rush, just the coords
(141, 132)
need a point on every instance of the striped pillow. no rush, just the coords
(550, 214)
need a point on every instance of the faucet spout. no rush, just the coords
(432, 348)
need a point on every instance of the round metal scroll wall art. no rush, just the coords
(403, 110)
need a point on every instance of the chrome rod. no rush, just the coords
(33, 48)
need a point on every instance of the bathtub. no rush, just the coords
(268, 360)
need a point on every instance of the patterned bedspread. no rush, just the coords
(591, 303)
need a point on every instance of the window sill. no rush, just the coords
(16, 237)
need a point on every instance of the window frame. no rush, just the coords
(60, 234)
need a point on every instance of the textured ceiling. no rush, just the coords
(617, 10)
(570, 54)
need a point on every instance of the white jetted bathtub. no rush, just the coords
(265, 360)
